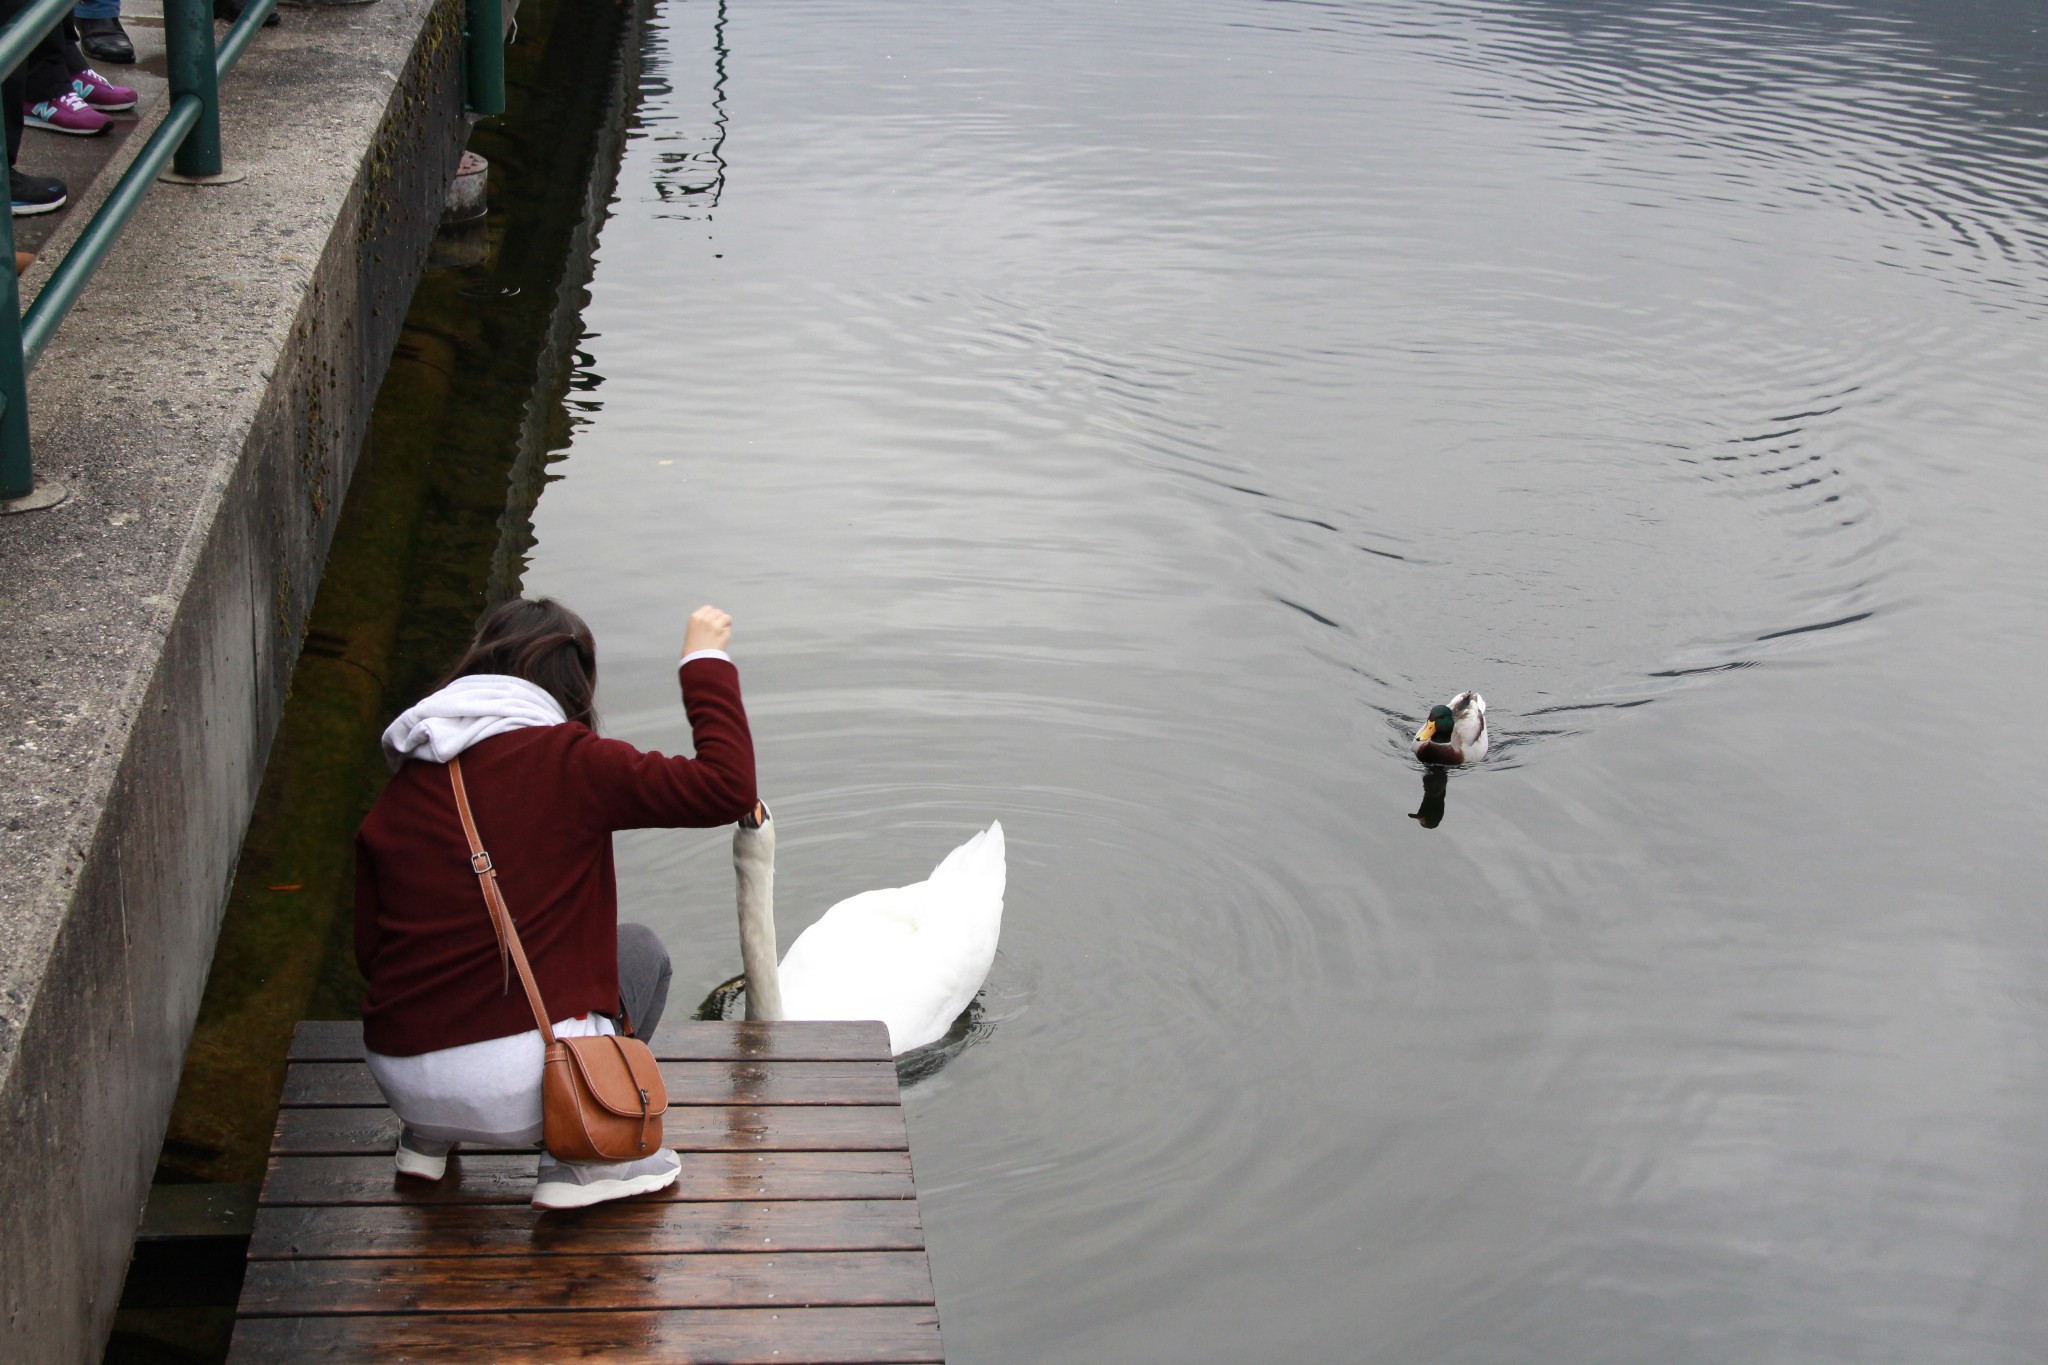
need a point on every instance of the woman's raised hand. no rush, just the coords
(709, 628)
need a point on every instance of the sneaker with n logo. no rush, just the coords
(100, 93)
(66, 114)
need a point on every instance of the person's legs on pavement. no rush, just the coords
(100, 32)
(30, 194)
(89, 85)
(49, 101)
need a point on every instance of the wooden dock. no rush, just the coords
(792, 1234)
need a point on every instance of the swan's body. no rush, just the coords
(910, 956)
(1455, 732)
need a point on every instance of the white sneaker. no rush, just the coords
(567, 1185)
(422, 1158)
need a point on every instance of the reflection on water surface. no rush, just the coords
(1125, 420)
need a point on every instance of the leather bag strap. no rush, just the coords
(494, 902)
(633, 1072)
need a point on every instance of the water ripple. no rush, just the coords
(1126, 419)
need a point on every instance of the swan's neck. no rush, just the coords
(753, 864)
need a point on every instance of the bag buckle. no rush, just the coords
(479, 862)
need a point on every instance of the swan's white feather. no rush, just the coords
(910, 956)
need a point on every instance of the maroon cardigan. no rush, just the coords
(547, 799)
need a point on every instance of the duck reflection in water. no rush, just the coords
(1435, 782)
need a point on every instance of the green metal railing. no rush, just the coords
(188, 139)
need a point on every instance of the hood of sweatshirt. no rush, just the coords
(466, 712)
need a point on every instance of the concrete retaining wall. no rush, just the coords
(205, 403)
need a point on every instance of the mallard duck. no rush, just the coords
(1455, 733)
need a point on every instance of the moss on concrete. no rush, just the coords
(409, 572)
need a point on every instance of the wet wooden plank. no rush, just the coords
(507, 1178)
(792, 1233)
(349, 1084)
(473, 1284)
(714, 1336)
(688, 1128)
(640, 1225)
(327, 1040)
(794, 1040)
(318, 1040)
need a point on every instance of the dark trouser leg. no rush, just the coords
(13, 94)
(15, 91)
(65, 39)
(46, 71)
(643, 978)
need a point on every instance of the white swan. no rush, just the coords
(910, 956)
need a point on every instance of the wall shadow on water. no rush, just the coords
(436, 527)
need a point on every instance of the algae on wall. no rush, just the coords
(470, 410)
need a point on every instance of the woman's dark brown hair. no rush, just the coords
(543, 642)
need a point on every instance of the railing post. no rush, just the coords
(484, 56)
(17, 471)
(188, 34)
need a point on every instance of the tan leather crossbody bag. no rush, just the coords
(601, 1098)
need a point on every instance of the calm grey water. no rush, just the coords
(1126, 419)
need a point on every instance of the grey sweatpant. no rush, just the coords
(478, 1100)
(643, 980)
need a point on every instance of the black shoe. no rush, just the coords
(106, 40)
(231, 10)
(35, 194)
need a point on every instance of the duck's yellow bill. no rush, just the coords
(1427, 731)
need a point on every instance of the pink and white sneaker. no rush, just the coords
(66, 114)
(100, 93)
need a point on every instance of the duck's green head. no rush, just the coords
(1438, 726)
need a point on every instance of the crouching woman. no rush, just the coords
(450, 1036)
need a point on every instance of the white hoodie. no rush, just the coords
(466, 712)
